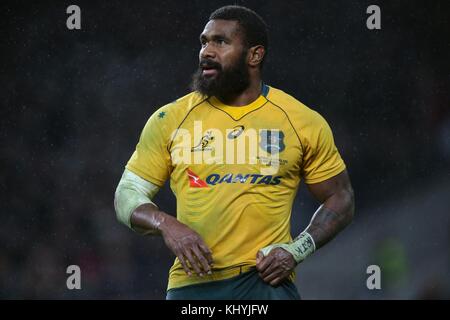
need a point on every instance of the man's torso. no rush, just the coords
(235, 171)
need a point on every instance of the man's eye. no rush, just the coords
(220, 41)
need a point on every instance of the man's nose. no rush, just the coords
(207, 52)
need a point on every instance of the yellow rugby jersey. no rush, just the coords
(235, 171)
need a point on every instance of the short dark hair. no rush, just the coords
(253, 26)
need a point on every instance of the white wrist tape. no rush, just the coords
(300, 247)
(132, 191)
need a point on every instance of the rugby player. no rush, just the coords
(235, 150)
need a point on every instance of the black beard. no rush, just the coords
(228, 83)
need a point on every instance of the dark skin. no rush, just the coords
(223, 42)
(336, 195)
(184, 242)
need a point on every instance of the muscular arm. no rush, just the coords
(276, 262)
(148, 219)
(336, 211)
(184, 242)
(135, 209)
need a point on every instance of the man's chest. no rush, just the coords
(260, 143)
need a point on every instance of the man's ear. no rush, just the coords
(256, 55)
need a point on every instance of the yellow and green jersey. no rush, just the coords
(235, 170)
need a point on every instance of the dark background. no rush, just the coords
(73, 103)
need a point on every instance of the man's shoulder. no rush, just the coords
(294, 109)
(174, 112)
(185, 103)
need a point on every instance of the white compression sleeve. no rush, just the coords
(132, 191)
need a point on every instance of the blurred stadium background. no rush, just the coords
(73, 104)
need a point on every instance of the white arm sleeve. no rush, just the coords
(132, 191)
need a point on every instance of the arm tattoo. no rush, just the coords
(326, 224)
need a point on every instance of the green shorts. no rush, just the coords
(246, 286)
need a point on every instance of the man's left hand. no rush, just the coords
(276, 266)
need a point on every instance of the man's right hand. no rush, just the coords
(187, 245)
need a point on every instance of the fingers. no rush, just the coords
(259, 257)
(270, 269)
(277, 281)
(207, 252)
(193, 262)
(272, 275)
(196, 256)
(264, 263)
(184, 264)
(203, 262)
(275, 277)
(189, 247)
(275, 267)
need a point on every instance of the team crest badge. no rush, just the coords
(272, 141)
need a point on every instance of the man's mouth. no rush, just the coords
(209, 71)
(209, 68)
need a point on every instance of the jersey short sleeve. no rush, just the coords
(321, 159)
(151, 159)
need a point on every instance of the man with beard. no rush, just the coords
(235, 151)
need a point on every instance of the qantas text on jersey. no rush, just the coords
(215, 178)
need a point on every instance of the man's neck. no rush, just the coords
(246, 97)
